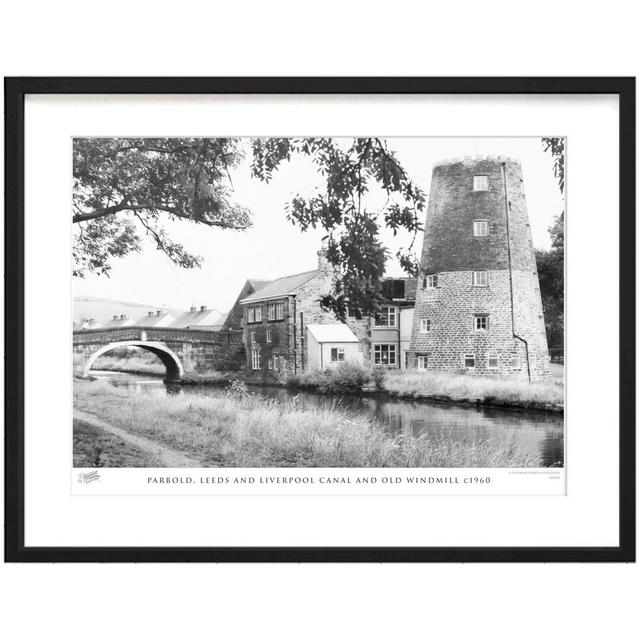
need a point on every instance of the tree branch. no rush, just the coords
(123, 206)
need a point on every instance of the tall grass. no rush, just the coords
(244, 430)
(472, 388)
(354, 378)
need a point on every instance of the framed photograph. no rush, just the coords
(320, 319)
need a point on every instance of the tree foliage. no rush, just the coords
(551, 278)
(349, 172)
(551, 263)
(123, 187)
(556, 147)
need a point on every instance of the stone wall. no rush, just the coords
(452, 308)
(511, 301)
(449, 243)
(280, 344)
(289, 339)
(198, 350)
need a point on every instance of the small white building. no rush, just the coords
(330, 344)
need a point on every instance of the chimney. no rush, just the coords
(150, 314)
(193, 309)
(324, 268)
(203, 307)
(158, 312)
(115, 317)
(123, 317)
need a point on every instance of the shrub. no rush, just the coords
(379, 375)
(346, 377)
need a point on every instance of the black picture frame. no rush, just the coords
(15, 91)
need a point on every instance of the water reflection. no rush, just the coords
(536, 432)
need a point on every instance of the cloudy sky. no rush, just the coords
(273, 247)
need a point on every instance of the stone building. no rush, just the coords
(282, 319)
(390, 334)
(478, 306)
(275, 319)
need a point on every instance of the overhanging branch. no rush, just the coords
(123, 206)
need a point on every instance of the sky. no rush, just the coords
(273, 247)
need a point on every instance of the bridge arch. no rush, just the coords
(171, 361)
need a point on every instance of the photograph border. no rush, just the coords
(15, 91)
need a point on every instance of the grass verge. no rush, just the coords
(431, 385)
(244, 430)
(93, 447)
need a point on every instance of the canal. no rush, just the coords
(538, 432)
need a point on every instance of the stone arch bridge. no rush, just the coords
(180, 350)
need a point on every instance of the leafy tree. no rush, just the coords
(551, 277)
(556, 147)
(353, 248)
(126, 185)
(551, 263)
(122, 186)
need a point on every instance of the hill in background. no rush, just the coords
(103, 310)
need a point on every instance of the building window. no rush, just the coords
(268, 335)
(480, 279)
(258, 313)
(251, 314)
(253, 337)
(255, 359)
(422, 362)
(388, 317)
(279, 310)
(425, 325)
(384, 354)
(480, 228)
(515, 362)
(430, 282)
(480, 183)
(470, 361)
(481, 323)
(271, 312)
(269, 363)
(492, 361)
(337, 354)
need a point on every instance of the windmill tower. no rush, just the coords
(478, 305)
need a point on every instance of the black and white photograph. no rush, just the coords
(318, 302)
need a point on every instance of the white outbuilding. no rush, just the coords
(331, 344)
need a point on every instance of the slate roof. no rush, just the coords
(198, 318)
(258, 284)
(280, 287)
(119, 322)
(165, 319)
(331, 333)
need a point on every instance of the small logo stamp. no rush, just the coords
(88, 477)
